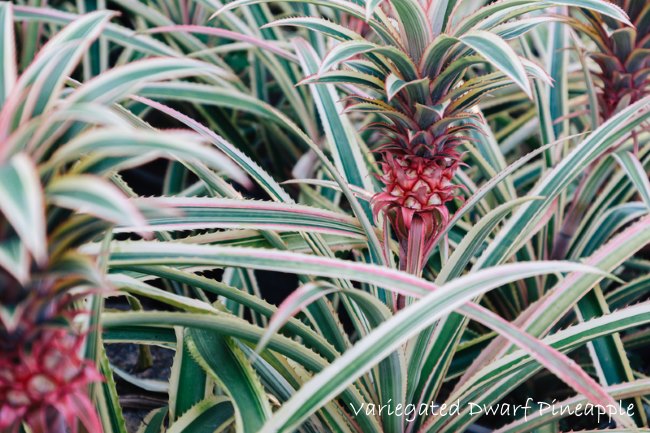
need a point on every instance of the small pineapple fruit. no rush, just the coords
(43, 375)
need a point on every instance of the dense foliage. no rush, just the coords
(338, 215)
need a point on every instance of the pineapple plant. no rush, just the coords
(621, 77)
(62, 144)
(413, 72)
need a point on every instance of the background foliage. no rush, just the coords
(199, 178)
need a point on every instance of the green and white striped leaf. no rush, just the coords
(176, 213)
(7, 51)
(124, 143)
(500, 55)
(213, 414)
(225, 362)
(636, 173)
(22, 204)
(94, 196)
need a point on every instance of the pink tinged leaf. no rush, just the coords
(227, 34)
(226, 147)
(555, 361)
(294, 303)
(531, 316)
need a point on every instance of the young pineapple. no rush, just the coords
(418, 183)
(623, 56)
(43, 375)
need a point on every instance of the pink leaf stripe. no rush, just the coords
(532, 314)
(298, 300)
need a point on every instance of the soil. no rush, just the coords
(137, 403)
